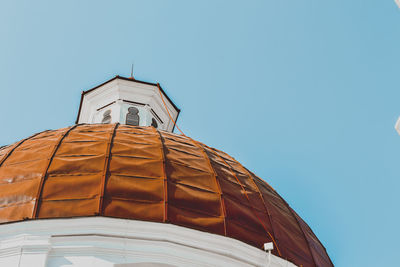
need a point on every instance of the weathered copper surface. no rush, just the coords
(144, 174)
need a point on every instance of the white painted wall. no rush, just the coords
(110, 242)
(118, 90)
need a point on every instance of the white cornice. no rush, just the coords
(128, 239)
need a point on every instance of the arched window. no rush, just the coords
(154, 123)
(132, 118)
(106, 117)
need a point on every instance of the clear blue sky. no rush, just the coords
(303, 93)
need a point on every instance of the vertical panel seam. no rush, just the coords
(318, 241)
(301, 229)
(165, 182)
(106, 168)
(327, 255)
(265, 206)
(16, 146)
(244, 190)
(44, 174)
(222, 202)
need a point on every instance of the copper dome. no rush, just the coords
(144, 174)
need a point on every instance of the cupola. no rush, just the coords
(128, 101)
(120, 189)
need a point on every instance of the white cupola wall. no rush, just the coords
(128, 101)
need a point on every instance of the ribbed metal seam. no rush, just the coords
(263, 201)
(44, 173)
(106, 167)
(319, 242)
(16, 146)
(165, 217)
(223, 211)
(243, 188)
(87, 155)
(301, 229)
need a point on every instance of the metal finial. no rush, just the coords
(132, 73)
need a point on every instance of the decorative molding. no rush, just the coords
(122, 241)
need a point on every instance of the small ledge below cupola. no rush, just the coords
(128, 101)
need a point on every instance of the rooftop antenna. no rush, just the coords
(132, 73)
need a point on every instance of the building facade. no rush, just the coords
(119, 188)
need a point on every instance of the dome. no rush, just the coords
(145, 174)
